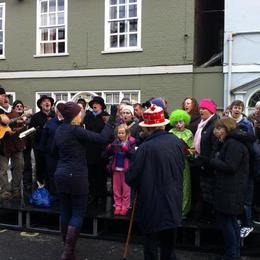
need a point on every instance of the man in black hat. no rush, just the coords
(95, 121)
(38, 121)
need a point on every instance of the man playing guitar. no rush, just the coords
(11, 148)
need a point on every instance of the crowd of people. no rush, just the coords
(193, 163)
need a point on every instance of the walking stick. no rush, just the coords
(129, 229)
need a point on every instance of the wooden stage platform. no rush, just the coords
(22, 216)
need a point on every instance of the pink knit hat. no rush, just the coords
(208, 104)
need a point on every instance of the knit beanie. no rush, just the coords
(129, 108)
(69, 110)
(158, 102)
(208, 104)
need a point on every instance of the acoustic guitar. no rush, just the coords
(5, 128)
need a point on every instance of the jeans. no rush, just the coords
(73, 209)
(248, 203)
(165, 240)
(231, 233)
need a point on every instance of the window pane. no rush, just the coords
(113, 27)
(48, 48)
(116, 98)
(60, 5)
(122, 40)
(113, 2)
(1, 24)
(61, 47)
(132, 10)
(1, 11)
(44, 34)
(113, 12)
(133, 26)
(121, 1)
(123, 27)
(52, 34)
(132, 1)
(109, 98)
(52, 6)
(133, 40)
(61, 33)
(43, 19)
(61, 18)
(52, 19)
(122, 11)
(1, 49)
(113, 41)
(1, 37)
(44, 7)
(134, 97)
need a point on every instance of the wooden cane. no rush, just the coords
(129, 229)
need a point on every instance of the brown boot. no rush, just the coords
(70, 243)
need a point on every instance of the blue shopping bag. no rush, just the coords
(41, 198)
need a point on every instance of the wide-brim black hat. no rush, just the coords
(99, 100)
(39, 101)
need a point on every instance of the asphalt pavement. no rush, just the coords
(16, 245)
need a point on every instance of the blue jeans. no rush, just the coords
(248, 203)
(73, 209)
(165, 240)
(231, 233)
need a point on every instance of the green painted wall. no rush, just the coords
(209, 82)
(173, 87)
(164, 24)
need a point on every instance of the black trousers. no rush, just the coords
(164, 240)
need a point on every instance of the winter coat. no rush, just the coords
(231, 169)
(11, 143)
(71, 175)
(156, 173)
(38, 121)
(130, 144)
(208, 146)
(194, 121)
(95, 124)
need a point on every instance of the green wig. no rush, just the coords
(179, 115)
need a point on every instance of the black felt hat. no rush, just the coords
(39, 101)
(99, 100)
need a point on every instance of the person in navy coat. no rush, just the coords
(71, 175)
(156, 174)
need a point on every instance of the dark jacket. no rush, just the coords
(194, 121)
(95, 124)
(11, 143)
(156, 173)
(38, 121)
(232, 169)
(208, 146)
(71, 174)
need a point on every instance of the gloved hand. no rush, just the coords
(124, 148)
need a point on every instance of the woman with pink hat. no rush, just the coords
(204, 143)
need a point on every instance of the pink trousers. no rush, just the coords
(121, 190)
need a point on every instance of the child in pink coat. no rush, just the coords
(122, 149)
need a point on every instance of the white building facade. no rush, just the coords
(241, 66)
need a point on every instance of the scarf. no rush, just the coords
(197, 137)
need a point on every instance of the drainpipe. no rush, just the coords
(227, 99)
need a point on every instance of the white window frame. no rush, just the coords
(73, 95)
(2, 56)
(38, 31)
(107, 48)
